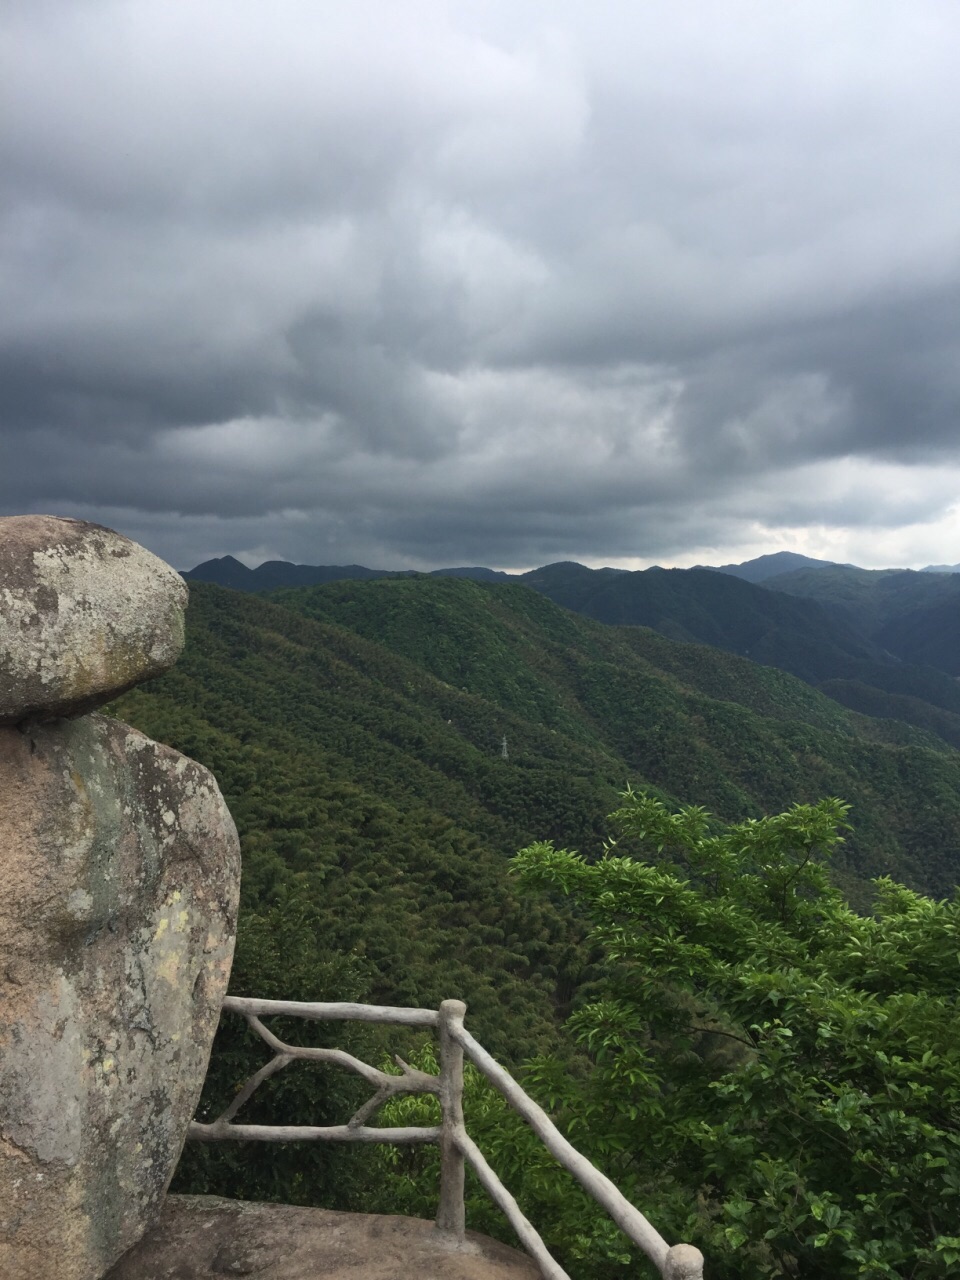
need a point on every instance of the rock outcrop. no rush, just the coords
(84, 614)
(206, 1238)
(120, 866)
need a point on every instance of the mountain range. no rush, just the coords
(386, 744)
(881, 642)
(403, 690)
(227, 571)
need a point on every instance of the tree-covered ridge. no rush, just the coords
(868, 599)
(834, 648)
(360, 784)
(507, 643)
(360, 752)
(870, 639)
(229, 572)
(915, 616)
(691, 721)
(712, 608)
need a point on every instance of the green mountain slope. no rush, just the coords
(915, 616)
(701, 725)
(870, 597)
(911, 709)
(356, 730)
(929, 634)
(821, 638)
(712, 608)
(881, 641)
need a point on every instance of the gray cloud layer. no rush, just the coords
(484, 283)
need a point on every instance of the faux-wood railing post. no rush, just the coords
(450, 1214)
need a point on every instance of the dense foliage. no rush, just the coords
(356, 731)
(697, 723)
(884, 642)
(914, 615)
(766, 1073)
(886, 639)
(776, 1075)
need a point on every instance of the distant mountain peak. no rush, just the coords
(769, 566)
(227, 571)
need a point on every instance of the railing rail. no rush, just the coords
(677, 1262)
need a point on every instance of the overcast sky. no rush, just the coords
(414, 284)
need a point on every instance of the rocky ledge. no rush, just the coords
(206, 1238)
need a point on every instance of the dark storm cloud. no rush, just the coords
(478, 282)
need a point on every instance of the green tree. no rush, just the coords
(771, 1075)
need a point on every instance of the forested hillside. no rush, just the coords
(386, 746)
(371, 716)
(713, 608)
(701, 725)
(357, 730)
(888, 652)
(881, 642)
(762, 568)
(915, 616)
(227, 571)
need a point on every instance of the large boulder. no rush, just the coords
(84, 614)
(120, 870)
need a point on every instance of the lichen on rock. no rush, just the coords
(84, 614)
(116, 933)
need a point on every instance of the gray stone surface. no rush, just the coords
(120, 872)
(84, 614)
(206, 1238)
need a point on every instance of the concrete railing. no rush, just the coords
(679, 1262)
